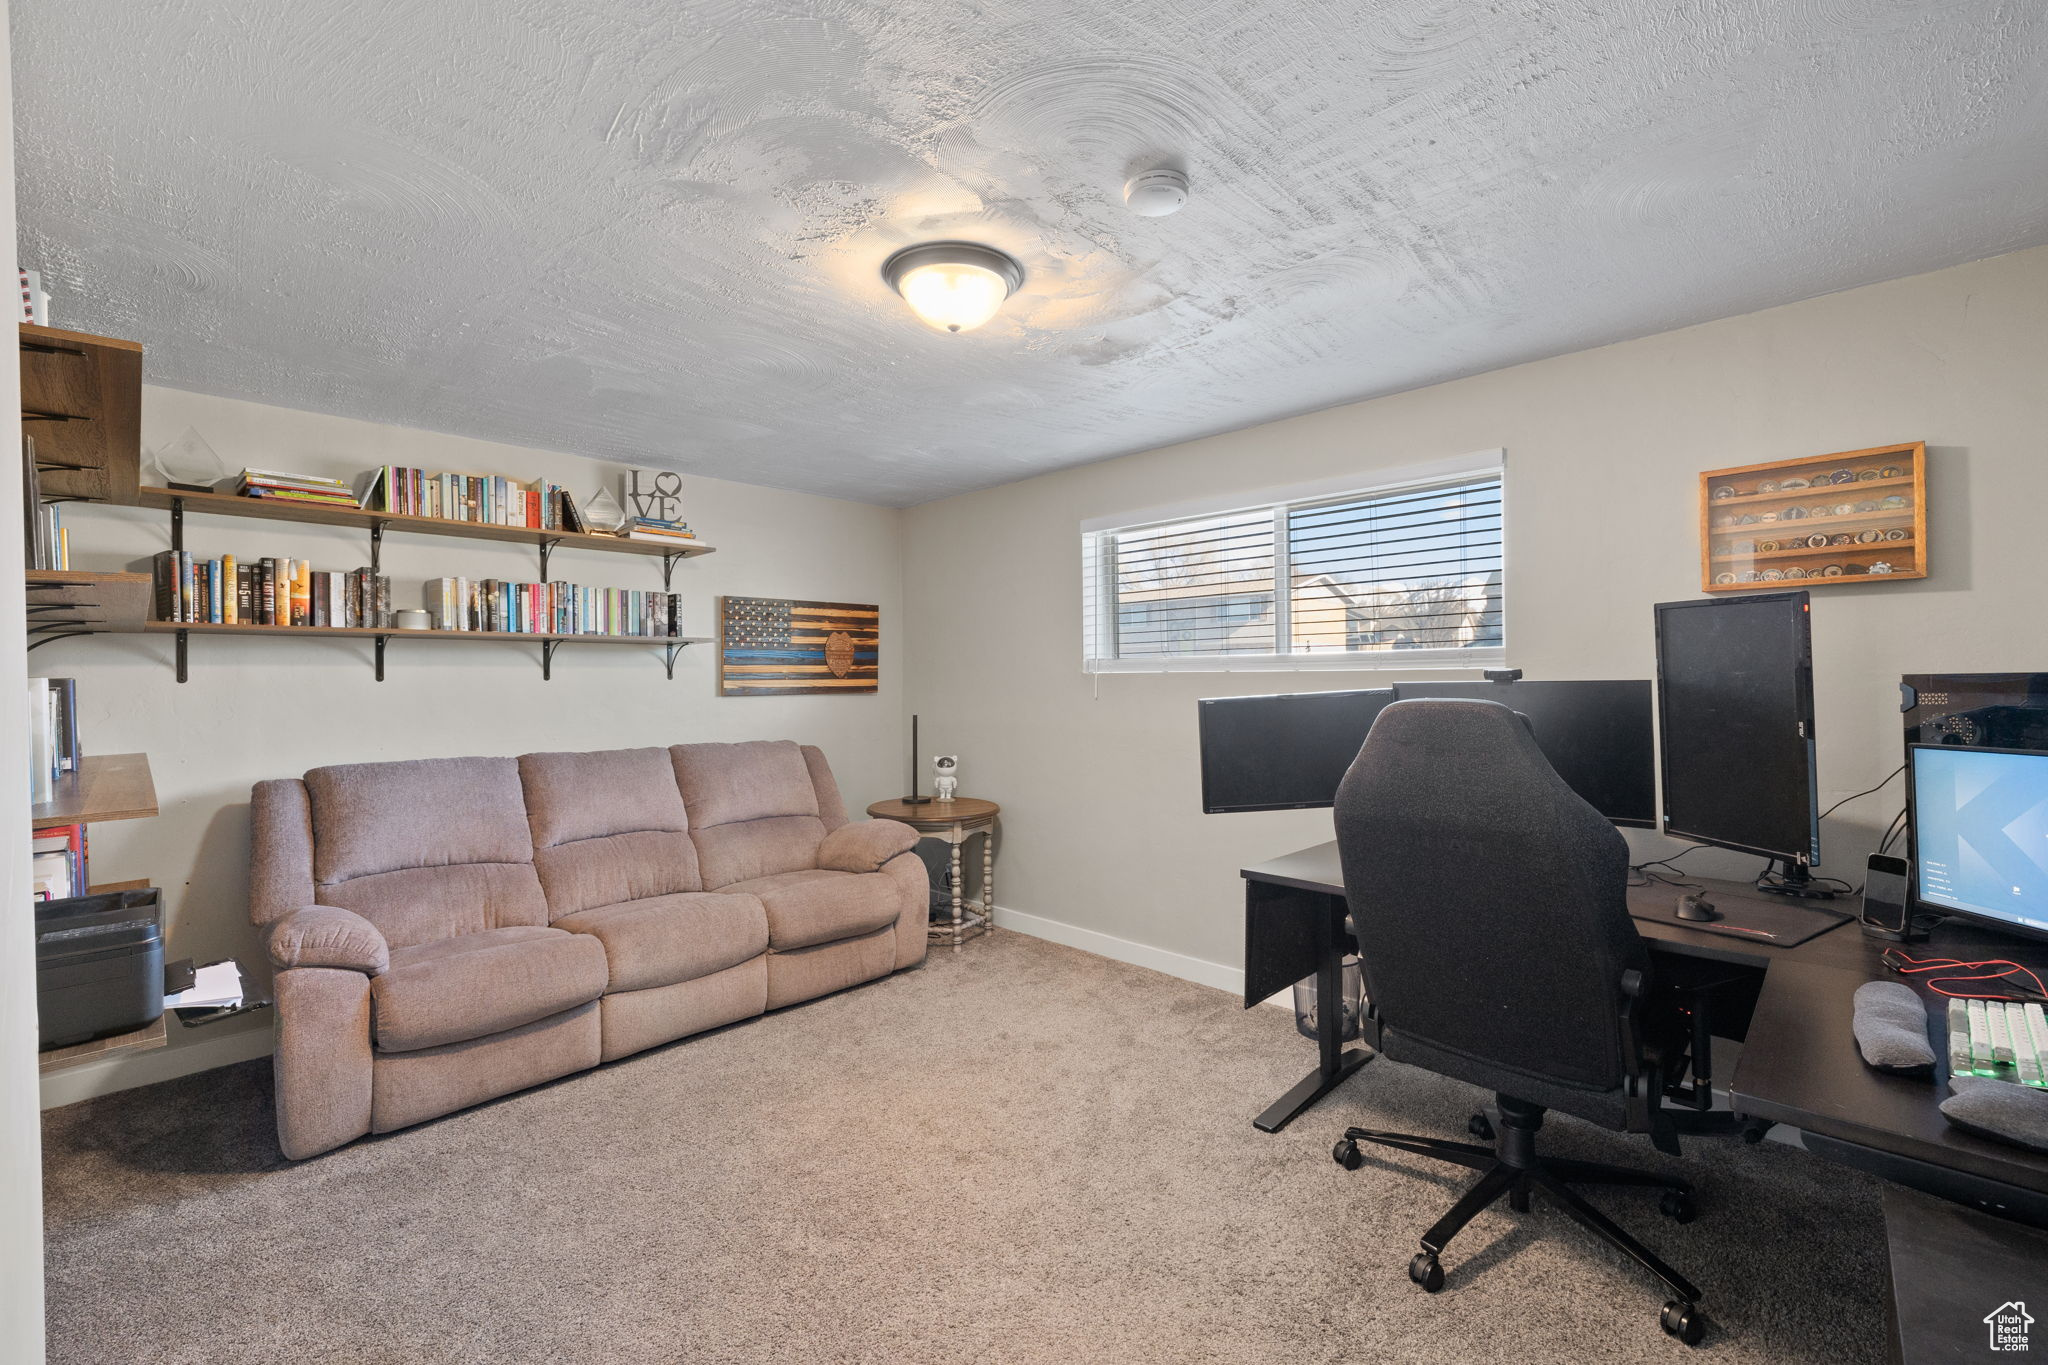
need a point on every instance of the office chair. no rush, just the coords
(1493, 928)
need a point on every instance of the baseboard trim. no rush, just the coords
(1195, 969)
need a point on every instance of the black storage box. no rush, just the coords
(99, 966)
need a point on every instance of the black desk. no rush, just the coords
(1799, 1063)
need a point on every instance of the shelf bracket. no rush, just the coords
(57, 606)
(51, 631)
(669, 653)
(547, 547)
(377, 563)
(178, 543)
(183, 636)
(668, 568)
(547, 654)
(380, 639)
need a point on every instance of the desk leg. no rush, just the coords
(1334, 1061)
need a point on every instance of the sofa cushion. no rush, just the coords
(479, 984)
(428, 812)
(423, 904)
(607, 827)
(816, 906)
(726, 783)
(665, 939)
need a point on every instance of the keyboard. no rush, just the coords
(1999, 1039)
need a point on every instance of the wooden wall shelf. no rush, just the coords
(670, 645)
(81, 399)
(279, 509)
(105, 787)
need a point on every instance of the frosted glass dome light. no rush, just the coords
(953, 286)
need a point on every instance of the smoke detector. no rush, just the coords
(1157, 192)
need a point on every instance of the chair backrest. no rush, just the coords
(1490, 900)
(425, 849)
(756, 808)
(608, 826)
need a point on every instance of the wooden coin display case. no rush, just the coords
(1858, 516)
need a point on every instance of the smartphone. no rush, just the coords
(1887, 910)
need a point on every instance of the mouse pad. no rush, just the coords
(1781, 926)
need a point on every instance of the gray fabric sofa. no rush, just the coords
(445, 931)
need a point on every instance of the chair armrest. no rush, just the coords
(328, 936)
(865, 845)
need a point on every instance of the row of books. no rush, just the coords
(58, 863)
(486, 499)
(52, 734)
(652, 529)
(492, 604)
(267, 592)
(313, 488)
(47, 543)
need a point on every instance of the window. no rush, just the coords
(1403, 574)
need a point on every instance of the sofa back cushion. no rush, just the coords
(607, 827)
(754, 809)
(425, 849)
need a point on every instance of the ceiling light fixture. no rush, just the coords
(953, 286)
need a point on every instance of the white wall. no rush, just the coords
(258, 708)
(21, 1166)
(1098, 777)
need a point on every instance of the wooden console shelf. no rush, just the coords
(106, 787)
(150, 1035)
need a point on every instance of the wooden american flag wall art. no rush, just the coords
(772, 646)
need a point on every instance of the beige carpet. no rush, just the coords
(1022, 1153)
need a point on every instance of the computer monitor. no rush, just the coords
(1598, 735)
(1980, 833)
(1735, 708)
(1285, 752)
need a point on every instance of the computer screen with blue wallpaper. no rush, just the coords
(1980, 821)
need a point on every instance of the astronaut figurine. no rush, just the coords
(946, 778)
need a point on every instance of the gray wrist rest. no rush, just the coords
(1891, 1029)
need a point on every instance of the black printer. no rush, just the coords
(99, 965)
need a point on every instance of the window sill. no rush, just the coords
(1363, 661)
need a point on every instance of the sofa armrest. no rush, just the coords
(865, 845)
(328, 936)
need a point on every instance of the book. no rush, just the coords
(42, 748)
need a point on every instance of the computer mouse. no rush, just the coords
(1694, 905)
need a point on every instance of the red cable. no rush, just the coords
(1951, 964)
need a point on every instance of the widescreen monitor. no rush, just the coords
(1980, 833)
(1735, 708)
(1598, 735)
(1282, 753)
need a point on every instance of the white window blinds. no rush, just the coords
(1397, 576)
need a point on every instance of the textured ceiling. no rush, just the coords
(651, 232)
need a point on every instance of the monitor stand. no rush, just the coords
(1792, 879)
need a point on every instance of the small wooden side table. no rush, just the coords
(956, 822)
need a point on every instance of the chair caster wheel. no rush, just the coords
(1754, 1131)
(1683, 1321)
(1677, 1205)
(1427, 1271)
(1347, 1155)
(1479, 1127)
